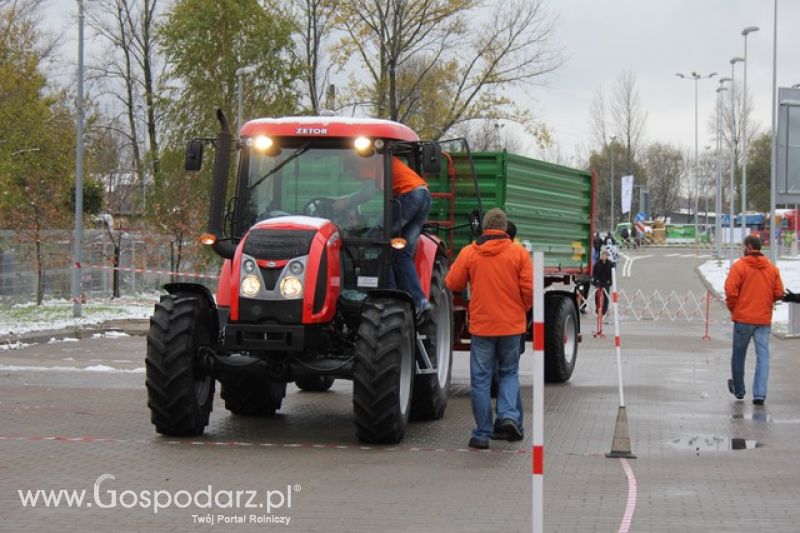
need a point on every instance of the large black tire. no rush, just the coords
(179, 394)
(561, 337)
(248, 396)
(314, 383)
(431, 391)
(383, 373)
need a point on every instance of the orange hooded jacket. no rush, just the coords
(752, 287)
(501, 284)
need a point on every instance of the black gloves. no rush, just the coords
(791, 297)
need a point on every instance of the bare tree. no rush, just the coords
(472, 62)
(628, 116)
(316, 17)
(666, 168)
(128, 74)
(598, 118)
(489, 135)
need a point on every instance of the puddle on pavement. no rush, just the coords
(714, 443)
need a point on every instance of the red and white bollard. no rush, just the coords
(537, 446)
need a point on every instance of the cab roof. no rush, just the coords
(328, 127)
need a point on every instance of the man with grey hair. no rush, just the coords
(501, 285)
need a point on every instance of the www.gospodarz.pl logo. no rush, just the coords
(104, 495)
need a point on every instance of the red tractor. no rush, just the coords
(304, 293)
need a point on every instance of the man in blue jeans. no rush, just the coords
(500, 276)
(751, 289)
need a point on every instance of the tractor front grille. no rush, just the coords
(278, 243)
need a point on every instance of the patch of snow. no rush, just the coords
(92, 368)
(69, 339)
(115, 334)
(57, 314)
(790, 275)
(13, 346)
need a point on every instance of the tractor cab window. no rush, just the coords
(308, 178)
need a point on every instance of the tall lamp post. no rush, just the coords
(240, 74)
(733, 152)
(695, 76)
(773, 248)
(745, 33)
(78, 239)
(718, 204)
(611, 156)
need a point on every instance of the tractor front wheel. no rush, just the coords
(180, 394)
(383, 373)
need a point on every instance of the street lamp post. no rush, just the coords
(745, 32)
(78, 249)
(240, 74)
(695, 76)
(773, 247)
(733, 152)
(718, 204)
(611, 155)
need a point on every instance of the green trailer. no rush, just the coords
(551, 206)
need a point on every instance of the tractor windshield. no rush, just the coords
(332, 182)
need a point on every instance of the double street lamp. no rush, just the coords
(718, 203)
(240, 74)
(695, 76)
(733, 154)
(745, 32)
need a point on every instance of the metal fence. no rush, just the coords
(147, 262)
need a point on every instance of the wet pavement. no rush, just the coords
(706, 462)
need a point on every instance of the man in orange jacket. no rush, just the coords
(752, 287)
(501, 285)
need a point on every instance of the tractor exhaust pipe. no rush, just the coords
(219, 188)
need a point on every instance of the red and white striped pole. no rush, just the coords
(621, 444)
(537, 450)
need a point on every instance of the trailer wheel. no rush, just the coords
(383, 373)
(180, 394)
(314, 383)
(561, 337)
(248, 396)
(431, 391)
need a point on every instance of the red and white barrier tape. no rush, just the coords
(147, 271)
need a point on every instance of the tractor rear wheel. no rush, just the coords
(383, 372)
(180, 394)
(248, 396)
(561, 337)
(314, 383)
(431, 391)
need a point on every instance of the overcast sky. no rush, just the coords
(654, 39)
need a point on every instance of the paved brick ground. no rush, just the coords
(675, 391)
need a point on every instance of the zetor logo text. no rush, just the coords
(311, 131)
(106, 496)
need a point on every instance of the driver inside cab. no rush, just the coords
(411, 193)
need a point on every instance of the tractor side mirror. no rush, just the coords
(475, 225)
(431, 158)
(194, 156)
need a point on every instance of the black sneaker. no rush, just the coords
(478, 444)
(423, 313)
(730, 389)
(513, 431)
(499, 432)
(758, 401)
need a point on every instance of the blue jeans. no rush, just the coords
(741, 339)
(414, 207)
(483, 352)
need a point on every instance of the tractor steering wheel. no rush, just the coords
(320, 207)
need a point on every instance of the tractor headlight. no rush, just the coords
(250, 286)
(291, 287)
(262, 143)
(296, 267)
(249, 266)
